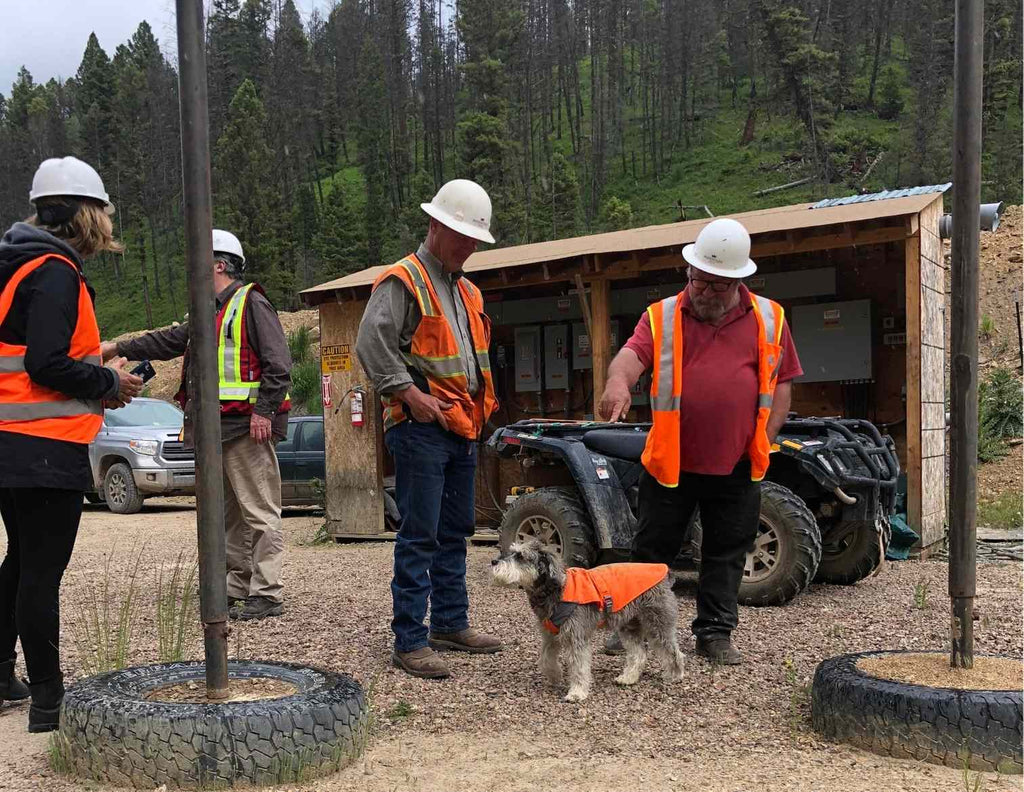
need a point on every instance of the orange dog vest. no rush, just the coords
(610, 587)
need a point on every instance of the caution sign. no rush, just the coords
(335, 357)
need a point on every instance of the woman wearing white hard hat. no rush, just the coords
(52, 393)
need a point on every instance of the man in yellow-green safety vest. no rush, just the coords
(254, 366)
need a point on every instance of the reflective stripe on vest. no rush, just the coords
(661, 457)
(434, 353)
(229, 351)
(27, 407)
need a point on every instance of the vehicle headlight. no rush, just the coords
(146, 447)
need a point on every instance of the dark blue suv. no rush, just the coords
(302, 459)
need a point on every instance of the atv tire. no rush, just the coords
(111, 732)
(786, 551)
(980, 729)
(556, 517)
(119, 490)
(854, 556)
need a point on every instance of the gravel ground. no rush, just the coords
(495, 726)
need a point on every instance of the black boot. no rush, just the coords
(44, 714)
(11, 688)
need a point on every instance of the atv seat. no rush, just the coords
(618, 443)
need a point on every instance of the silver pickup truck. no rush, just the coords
(138, 454)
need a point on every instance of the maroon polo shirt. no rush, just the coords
(718, 405)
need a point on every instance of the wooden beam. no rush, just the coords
(601, 335)
(912, 257)
(581, 292)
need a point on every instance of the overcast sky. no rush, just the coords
(49, 36)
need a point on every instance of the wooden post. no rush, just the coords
(601, 335)
(912, 259)
(967, 73)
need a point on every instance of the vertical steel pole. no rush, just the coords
(195, 166)
(964, 353)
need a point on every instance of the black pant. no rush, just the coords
(41, 528)
(729, 508)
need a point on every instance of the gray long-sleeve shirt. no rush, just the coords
(392, 316)
(267, 338)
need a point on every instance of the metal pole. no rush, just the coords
(195, 166)
(964, 375)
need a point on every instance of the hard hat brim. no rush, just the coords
(713, 268)
(459, 226)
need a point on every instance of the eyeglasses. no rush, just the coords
(700, 284)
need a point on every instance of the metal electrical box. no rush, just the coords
(556, 357)
(642, 390)
(582, 355)
(833, 341)
(527, 359)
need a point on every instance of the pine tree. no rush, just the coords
(371, 134)
(339, 241)
(92, 93)
(245, 199)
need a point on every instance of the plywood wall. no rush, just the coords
(355, 502)
(933, 379)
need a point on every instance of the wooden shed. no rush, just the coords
(862, 280)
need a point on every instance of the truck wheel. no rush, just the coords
(854, 555)
(556, 517)
(119, 490)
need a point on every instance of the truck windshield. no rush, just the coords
(145, 413)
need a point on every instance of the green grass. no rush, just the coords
(1002, 512)
(177, 613)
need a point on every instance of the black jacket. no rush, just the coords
(43, 317)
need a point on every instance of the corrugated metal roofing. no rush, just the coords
(906, 192)
(669, 235)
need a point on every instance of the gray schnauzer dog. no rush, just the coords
(568, 625)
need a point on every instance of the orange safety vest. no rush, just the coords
(661, 454)
(29, 408)
(611, 587)
(434, 353)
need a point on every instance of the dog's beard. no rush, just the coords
(508, 573)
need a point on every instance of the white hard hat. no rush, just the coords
(462, 206)
(226, 242)
(722, 248)
(68, 176)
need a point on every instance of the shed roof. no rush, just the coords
(782, 218)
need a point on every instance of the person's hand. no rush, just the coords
(129, 385)
(424, 407)
(108, 349)
(113, 404)
(260, 428)
(615, 401)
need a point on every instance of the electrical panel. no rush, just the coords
(833, 341)
(556, 357)
(582, 355)
(527, 341)
(641, 392)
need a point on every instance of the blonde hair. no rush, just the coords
(89, 232)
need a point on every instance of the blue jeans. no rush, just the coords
(434, 488)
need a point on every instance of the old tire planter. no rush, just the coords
(110, 733)
(939, 725)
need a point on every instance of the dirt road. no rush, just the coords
(495, 726)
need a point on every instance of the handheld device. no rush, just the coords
(145, 370)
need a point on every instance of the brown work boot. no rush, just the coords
(423, 662)
(468, 640)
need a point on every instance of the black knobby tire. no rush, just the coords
(981, 728)
(556, 516)
(119, 490)
(856, 555)
(786, 551)
(110, 733)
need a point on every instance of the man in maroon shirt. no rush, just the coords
(717, 419)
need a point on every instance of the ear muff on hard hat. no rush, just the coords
(463, 206)
(722, 248)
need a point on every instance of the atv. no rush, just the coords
(825, 503)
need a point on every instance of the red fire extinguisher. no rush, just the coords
(356, 406)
